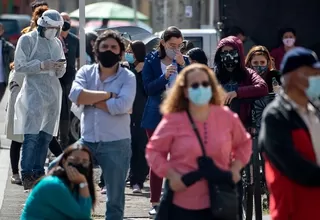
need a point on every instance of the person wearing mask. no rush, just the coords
(107, 91)
(259, 59)
(197, 93)
(67, 192)
(187, 45)
(287, 38)
(238, 81)
(246, 41)
(39, 56)
(6, 57)
(135, 54)
(70, 43)
(15, 83)
(289, 139)
(158, 74)
(91, 38)
(197, 55)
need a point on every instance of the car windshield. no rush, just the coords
(10, 26)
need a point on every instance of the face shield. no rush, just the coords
(50, 24)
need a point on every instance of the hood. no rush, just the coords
(233, 42)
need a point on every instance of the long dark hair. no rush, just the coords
(90, 36)
(139, 50)
(59, 171)
(167, 35)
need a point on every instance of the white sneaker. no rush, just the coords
(136, 189)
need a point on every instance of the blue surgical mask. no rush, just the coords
(313, 91)
(200, 95)
(129, 57)
(260, 69)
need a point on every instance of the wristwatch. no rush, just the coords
(82, 185)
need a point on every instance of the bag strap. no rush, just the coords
(196, 131)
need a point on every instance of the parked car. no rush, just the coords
(13, 25)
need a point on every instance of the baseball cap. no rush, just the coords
(298, 57)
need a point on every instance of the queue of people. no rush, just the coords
(139, 108)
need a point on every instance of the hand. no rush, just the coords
(236, 176)
(47, 65)
(175, 182)
(126, 63)
(171, 69)
(139, 67)
(100, 105)
(230, 96)
(179, 59)
(74, 176)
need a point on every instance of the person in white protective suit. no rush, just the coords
(40, 57)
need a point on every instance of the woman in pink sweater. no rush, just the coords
(225, 139)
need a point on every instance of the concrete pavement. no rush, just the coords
(12, 196)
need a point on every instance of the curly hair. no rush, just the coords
(260, 51)
(176, 100)
(109, 34)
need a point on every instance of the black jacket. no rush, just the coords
(7, 57)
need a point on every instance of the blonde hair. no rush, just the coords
(260, 51)
(176, 100)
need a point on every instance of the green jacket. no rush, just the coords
(7, 56)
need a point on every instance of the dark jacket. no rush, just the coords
(291, 169)
(139, 101)
(155, 85)
(251, 86)
(7, 57)
(269, 76)
(277, 54)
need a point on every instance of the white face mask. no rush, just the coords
(50, 34)
(289, 42)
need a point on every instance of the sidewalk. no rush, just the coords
(12, 196)
(137, 205)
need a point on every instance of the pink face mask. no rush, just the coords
(289, 42)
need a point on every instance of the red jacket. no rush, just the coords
(292, 173)
(278, 54)
(251, 86)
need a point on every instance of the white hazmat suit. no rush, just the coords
(38, 104)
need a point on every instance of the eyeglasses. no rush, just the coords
(204, 84)
(175, 47)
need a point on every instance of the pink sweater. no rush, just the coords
(175, 136)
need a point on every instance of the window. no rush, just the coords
(197, 41)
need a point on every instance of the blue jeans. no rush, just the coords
(114, 160)
(34, 154)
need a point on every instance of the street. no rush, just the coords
(12, 196)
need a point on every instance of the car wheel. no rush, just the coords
(74, 134)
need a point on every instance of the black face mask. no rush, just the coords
(66, 26)
(108, 58)
(230, 59)
(83, 170)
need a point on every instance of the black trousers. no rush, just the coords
(185, 214)
(15, 156)
(138, 165)
(64, 126)
(3, 87)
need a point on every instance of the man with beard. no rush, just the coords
(107, 91)
(238, 81)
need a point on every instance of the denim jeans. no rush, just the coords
(114, 159)
(34, 154)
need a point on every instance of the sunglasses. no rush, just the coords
(204, 84)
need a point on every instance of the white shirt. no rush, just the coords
(1, 64)
(309, 116)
